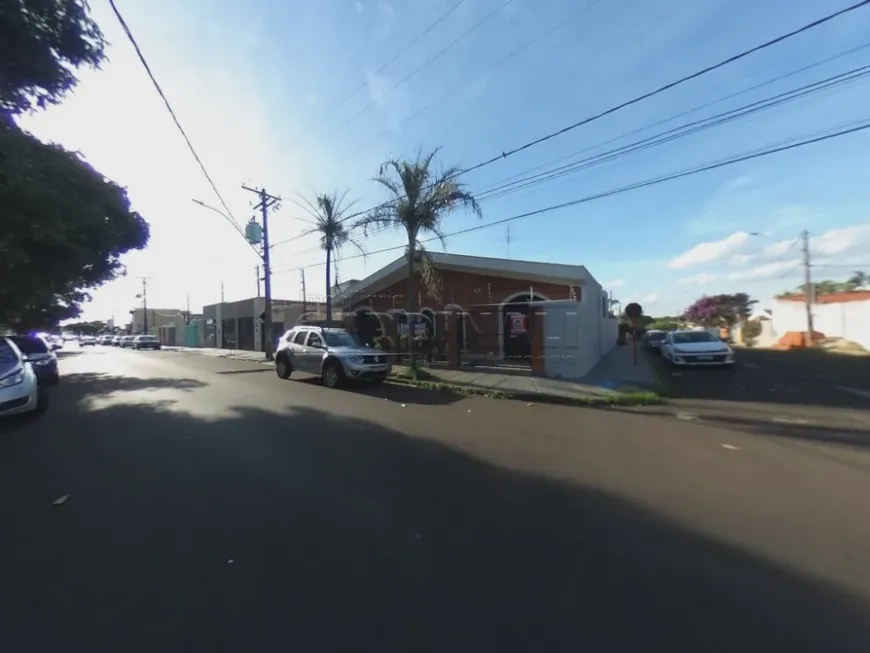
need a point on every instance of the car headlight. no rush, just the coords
(41, 361)
(355, 360)
(12, 379)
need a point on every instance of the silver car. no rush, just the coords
(333, 354)
(19, 390)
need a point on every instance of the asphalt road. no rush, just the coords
(213, 507)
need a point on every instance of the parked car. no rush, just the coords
(653, 340)
(333, 354)
(127, 342)
(19, 387)
(87, 341)
(685, 348)
(36, 351)
(55, 342)
(116, 341)
(146, 342)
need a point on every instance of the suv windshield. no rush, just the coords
(340, 339)
(683, 337)
(30, 344)
(656, 335)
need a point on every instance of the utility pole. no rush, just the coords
(222, 292)
(266, 202)
(144, 296)
(809, 293)
(508, 241)
(304, 296)
(257, 271)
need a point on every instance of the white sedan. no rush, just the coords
(685, 348)
(19, 390)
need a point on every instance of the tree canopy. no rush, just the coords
(720, 310)
(63, 228)
(42, 43)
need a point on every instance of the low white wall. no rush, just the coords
(847, 320)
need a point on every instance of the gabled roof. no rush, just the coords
(556, 273)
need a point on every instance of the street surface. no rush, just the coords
(206, 505)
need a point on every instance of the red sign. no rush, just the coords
(518, 324)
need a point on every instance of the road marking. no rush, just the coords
(752, 366)
(686, 416)
(790, 420)
(730, 447)
(855, 391)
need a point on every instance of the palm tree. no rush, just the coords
(328, 214)
(420, 199)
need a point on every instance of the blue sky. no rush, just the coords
(256, 84)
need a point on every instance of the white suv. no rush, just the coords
(333, 354)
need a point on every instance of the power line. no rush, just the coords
(776, 149)
(564, 130)
(684, 130)
(184, 135)
(676, 133)
(395, 58)
(430, 61)
(525, 46)
(687, 112)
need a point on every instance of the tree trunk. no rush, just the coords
(328, 285)
(409, 303)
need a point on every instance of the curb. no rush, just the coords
(589, 402)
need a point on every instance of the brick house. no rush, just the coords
(492, 296)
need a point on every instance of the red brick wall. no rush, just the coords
(478, 294)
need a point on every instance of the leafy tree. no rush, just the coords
(420, 197)
(42, 43)
(858, 280)
(64, 227)
(750, 331)
(87, 328)
(328, 212)
(720, 310)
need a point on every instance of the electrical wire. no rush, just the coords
(784, 146)
(395, 58)
(229, 214)
(687, 112)
(513, 53)
(640, 98)
(667, 136)
(427, 63)
(676, 133)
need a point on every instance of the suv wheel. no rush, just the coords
(282, 368)
(332, 375)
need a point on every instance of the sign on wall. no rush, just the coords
(518, 324)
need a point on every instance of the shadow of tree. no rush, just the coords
(305, 531)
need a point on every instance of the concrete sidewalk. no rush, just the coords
(615, 376)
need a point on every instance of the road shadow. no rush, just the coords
(387, 391)
(853, 437)
(805, 377)
(257, 371)
(305, 531)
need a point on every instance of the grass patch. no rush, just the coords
(625, 397)
(412, 374)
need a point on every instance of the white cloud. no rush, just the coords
(710, 251)
(616, 283)
(769, 271)
(779, 249)
(698, 279)
(739, 260)
(841, 241)
(649, 298)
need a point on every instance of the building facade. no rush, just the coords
(843, 315)
(496, 301)
(240, 325)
